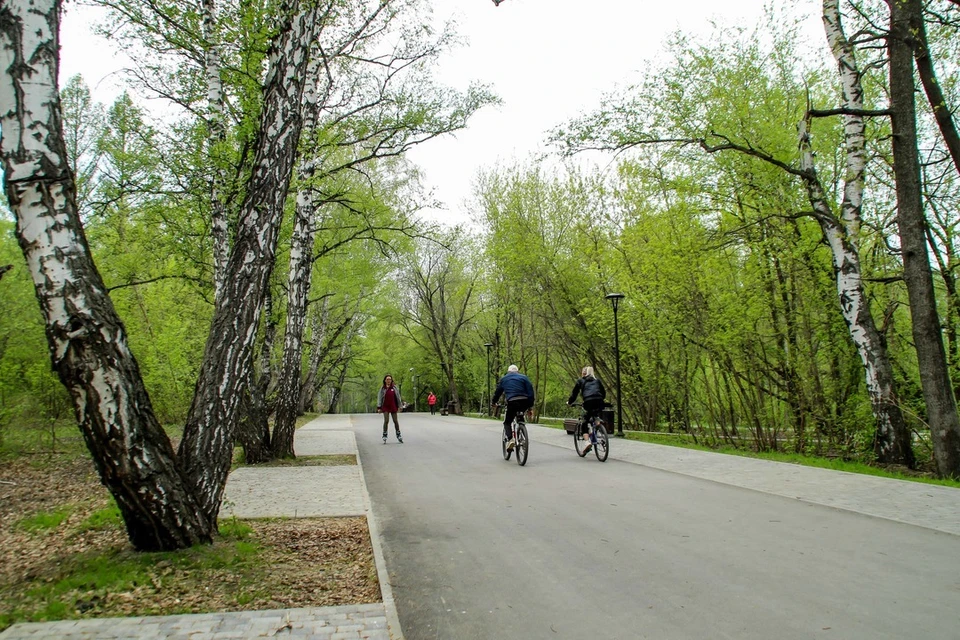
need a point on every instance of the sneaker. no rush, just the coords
(587, 448)
(384, 438)
(399, 438)
(511, 444)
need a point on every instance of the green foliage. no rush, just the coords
(33, 403)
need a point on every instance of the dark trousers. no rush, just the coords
(591, 409)
(514, 407)
(433, 409)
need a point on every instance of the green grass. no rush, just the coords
(44, 520)
(327, 460)
(79, 581)
(305, 418)
(836, 464)
(106, 518)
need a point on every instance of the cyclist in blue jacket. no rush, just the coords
(517, 390)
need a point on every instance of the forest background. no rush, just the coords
(751, 212)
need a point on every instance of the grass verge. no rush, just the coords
(64, 555)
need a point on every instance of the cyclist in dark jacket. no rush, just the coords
(590, 387)
(517, 390)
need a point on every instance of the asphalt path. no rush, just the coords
(572, 548)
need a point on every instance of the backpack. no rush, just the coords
(592, 389)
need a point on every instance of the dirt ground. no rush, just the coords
(62, 569)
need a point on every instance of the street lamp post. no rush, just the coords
(615, 299)
(489, 403)
(445, 382)
(413, 380)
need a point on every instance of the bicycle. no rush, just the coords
(596, 427)
(519, 429)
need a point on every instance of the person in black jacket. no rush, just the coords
(517, 390)
(590, 387)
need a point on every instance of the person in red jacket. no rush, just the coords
(432, 403)
(389, 403)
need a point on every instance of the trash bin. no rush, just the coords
(570, 425)
(452, 408)
(607, 416)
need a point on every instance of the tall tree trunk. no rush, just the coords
(208, 436)
(338, 389)
(298, 280)
(892, 442)
(931, 86)
(87, 340)
(892, 438)
(253, 428)
(350, 325)
(318, 332)
(215, 141)
(934, 375)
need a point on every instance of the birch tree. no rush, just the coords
(892, 442)
(87, 341)
(934, 375)
(379, 107)
(207, 444)
(215, 142)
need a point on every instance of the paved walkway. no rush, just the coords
(269, 492)
(342, 491)
(923, 505)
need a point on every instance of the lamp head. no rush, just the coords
(615, 299)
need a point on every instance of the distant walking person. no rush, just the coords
(590, 387)
(517, 390)
(432, 402)
(388, 403)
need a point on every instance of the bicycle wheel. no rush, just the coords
(523, 444)
(579, 443)
(602, 448)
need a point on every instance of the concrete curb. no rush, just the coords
(386, 591)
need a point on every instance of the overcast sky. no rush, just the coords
(549, 60)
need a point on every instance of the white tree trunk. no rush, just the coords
(217, 136)
(207, 445)
(892, 443)
(87, 340)
(298, 279)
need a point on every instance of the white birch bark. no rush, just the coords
(87, 341)
(215, 141)
(892, 442)
(318, 332)
(207, 446)
(298, 278)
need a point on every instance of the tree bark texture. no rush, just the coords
(934, 375)
(892, 441)
(253, 428)
(931, 86)
(87, 341)
(318, 332)
(217, 136)
(207, 444)
(892, 437)
(298, 281)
